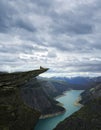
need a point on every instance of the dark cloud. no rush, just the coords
(81, 28)
(25, 24)
(16, 48)
(56, 34)
(4, 17)
(43, 3)
(66, 26)
(7, 12)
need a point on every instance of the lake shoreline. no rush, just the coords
(49, 121)
(51, 115)
(77, 102)
(59, 104)
(63, 94)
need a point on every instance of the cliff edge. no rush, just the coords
(15, 114)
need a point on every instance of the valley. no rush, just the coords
(25, 98)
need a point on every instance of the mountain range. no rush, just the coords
(25, 97)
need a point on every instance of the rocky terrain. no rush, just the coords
(39, 95)
(89, 116)
(90, 94)
(25, 98)
(39, 92)
(14, 113)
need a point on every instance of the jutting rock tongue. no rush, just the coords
(14, 113)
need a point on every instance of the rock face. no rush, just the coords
(88, 117)
(91, 94)
(18, 78)
(23, 99)
(14, 113)
(39, 95)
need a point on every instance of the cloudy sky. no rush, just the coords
(63, 35)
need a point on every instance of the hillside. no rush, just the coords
(14, 113)
(24, 98)
(38, 95)
(90, 94)
(54, 87)
(88, 117)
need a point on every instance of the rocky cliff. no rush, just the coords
(14, 113)
(90, 94)
(38, 95)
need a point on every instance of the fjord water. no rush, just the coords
(67, 100)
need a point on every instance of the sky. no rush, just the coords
(63, 35)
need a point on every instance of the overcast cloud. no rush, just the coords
(63, 35)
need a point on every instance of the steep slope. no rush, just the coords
(14, 113)
(88, 117)
(91, 94)
(53, 87)
(34, 94)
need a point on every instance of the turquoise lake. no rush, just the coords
(67, 100)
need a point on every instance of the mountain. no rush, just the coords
(89, 116)
(91, 94)
(24, 98)
(74, 80)
(82, 83)
(39, 95)
(54, 87)
(14, 113)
